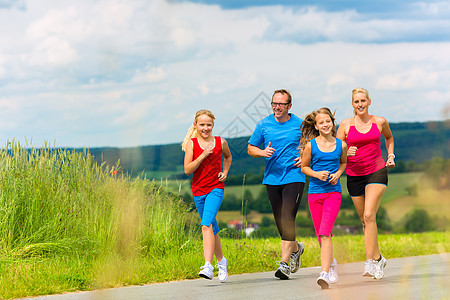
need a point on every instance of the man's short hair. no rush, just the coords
(284, 92)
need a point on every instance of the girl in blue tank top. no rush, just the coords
(324, 158)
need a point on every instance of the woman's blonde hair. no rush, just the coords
(308, 128)
(192, 132)
(359, 90)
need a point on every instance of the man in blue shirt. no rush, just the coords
(279, 133)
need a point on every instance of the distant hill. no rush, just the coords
(417, 142)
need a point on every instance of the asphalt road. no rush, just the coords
(420, 277)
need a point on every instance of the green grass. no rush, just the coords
(68, 224)
(41, 276)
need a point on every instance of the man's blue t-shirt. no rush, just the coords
(285, 139)
(325, 161)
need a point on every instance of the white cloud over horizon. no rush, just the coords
(126, 73)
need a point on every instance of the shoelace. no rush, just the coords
(221, 267)
(282, 264)
(205, 266)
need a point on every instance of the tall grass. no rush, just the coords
(63, 202)
(69, 224)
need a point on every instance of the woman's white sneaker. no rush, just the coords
(369, 268)
(379, 268)
(207, 271)
(323, 280)
(332, 273)
(223, 273)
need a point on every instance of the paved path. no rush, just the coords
(421, 277)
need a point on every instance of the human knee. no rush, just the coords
(369, 217)
(325, 238)
(206, 228)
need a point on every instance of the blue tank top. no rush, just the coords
(324, 161)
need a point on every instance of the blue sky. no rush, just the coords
(125, 73)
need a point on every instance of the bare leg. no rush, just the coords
(326, 252)
(374, 192)
(359, 203)
(208, 243)
(218, 248)
(287, 247)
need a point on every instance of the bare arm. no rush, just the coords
(226, 161)
(190, 165)
(306, 169)
(343, 130)
(342, 135)
(389, 139)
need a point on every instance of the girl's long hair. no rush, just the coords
(308, 128)
(192, 132)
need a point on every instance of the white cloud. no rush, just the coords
(407, 80)
(149, 75)
(111, 72)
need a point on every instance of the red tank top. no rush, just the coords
(206, 176)
(368, 157)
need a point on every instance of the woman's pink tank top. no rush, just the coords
(368, 157)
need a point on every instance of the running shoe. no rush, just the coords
(332, 273)
(283, 270)
(223, 273)
(369, 268)
(207, 271)
(296, 261)
(379, 268)
(323, 280)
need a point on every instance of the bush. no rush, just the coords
(419, 221)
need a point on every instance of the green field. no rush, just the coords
(397, 201)
(68, 224)
(398, 182)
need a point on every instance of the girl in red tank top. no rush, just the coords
(366, 172)
(203, 158)
(205, 177)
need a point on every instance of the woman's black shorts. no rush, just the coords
(356, 185)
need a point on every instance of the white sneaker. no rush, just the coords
(323, 280)
(332, 273)
(223, 273)
(207, 271)
(379, 268)
(295, 261)
(283, 270)
(369, 268)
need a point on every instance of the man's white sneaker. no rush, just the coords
(283, 270)
(223, 273)
(295, 261)
(332, 273)
(379, 268)
(323, 280)
(207, 271)
(369, 268)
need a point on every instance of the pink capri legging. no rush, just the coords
(324, 210)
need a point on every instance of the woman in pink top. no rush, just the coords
(367, 172)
